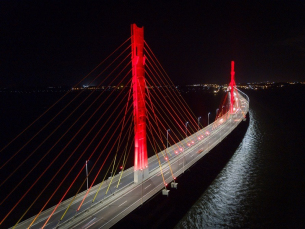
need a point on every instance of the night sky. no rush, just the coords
(46, 43)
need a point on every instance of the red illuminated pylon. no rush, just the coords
(139, 111)
(232, 87)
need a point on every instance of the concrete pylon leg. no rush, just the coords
(140, 175)
(139, 107)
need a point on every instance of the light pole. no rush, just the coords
(168, 130)
(198, 121)
(186, 129)
(87, 172)
(209, 118)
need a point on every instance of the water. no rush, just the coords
(263, 184)
(254, 179)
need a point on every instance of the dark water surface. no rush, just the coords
(263, 184)
(253, 179)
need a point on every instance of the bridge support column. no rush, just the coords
(140, 175)
(174, 185)
(232, 86)
(139, 110)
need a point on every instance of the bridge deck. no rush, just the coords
(109, 209)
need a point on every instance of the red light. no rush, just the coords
(138, 77)
(166, 158)
(176, 152)
(232, 85)
(181, 149)
(192, 142)
(121, 167)
(188, 144)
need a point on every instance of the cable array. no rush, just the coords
(72, 133)
(92, 123)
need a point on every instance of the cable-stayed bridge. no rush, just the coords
(103, 124)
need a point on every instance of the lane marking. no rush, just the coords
(122, 203)
(90, 223)
(147, 186)
(87, 202)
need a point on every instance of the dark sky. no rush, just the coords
(58, 42)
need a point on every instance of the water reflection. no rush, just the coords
(229, 196)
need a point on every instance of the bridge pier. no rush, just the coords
(139, 108)
(165, 192)
(174, 185)
(140, 175)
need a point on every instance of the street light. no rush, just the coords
(198, 121)
(209, 118)
(186, 129)
(87, 172)
(168, 130)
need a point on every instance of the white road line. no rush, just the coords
(87, 202)
(147, 186)
(87, 225)
(122, 203)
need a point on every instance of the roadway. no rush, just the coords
(109, 208)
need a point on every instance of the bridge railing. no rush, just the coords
(245, 96)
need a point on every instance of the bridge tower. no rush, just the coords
(232, 86)
(139, 109)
